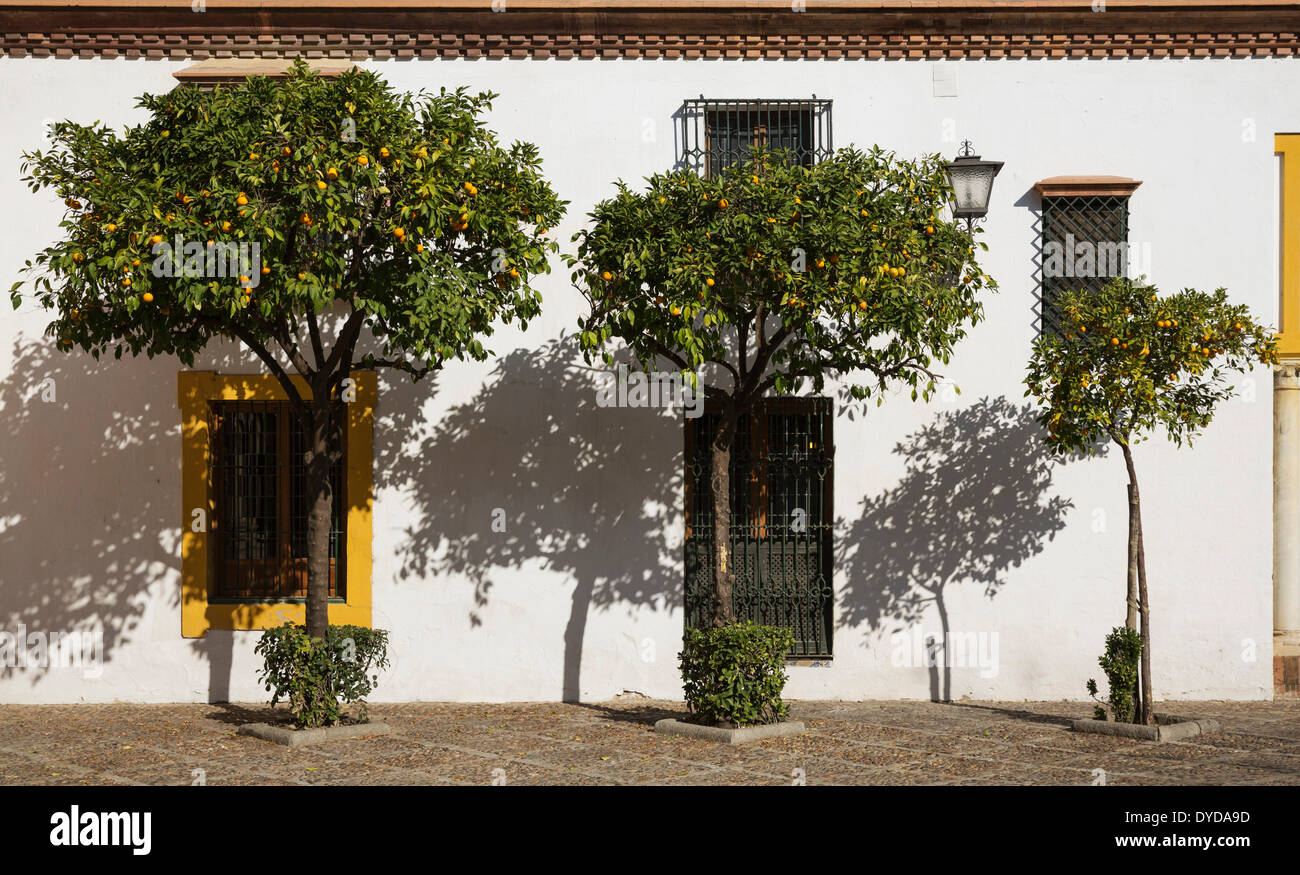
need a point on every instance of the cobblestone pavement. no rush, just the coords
(883, 743)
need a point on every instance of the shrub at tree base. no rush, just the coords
(733, 675)
(320, 676)
(1120, 663)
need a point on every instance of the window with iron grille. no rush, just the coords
(259, 485)
(1084, 247)
(781, 513)
(717, 133)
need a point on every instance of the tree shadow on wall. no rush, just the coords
(587, 492)
(90, 504)
(86, 529)
(975, 500)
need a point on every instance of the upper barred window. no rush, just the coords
(1085, 237)
(718, 133)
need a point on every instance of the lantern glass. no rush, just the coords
(972, 185)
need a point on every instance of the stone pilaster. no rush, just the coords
(1286, 529)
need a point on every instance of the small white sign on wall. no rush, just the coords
(945, 79)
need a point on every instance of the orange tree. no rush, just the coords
(1127, 361)
(357, 208)
(772, 275)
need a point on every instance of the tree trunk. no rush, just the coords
(320, 515)
(724, 578)
(1137, 562)
(1147, 716)
(1131, 597)
(1131, 614)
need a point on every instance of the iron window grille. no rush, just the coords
(718, 133)
(1084, 247)
(259, 524)
(781, 520)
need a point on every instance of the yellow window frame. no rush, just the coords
(196, 391)
(1288, 147)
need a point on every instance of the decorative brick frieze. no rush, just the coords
(590, 30)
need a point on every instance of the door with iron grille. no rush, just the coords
(781, 513)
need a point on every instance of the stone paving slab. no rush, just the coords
(548, 744)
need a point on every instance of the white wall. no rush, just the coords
(90, 485)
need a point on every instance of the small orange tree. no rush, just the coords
(1127, 361)
(273, 211)
(777, 274)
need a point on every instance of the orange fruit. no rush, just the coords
(363, 160)
(709, 282)
(321, 184)
(332, 173)
(242, 199)
(607, 276)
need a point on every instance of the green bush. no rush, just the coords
(733, 675)
(1120, 663)
(318, 677)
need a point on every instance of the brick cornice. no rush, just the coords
(833, 29)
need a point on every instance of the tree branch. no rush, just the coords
(404, 365)
(345, 344)
(313, 330)
(767, 348)
(295, 399)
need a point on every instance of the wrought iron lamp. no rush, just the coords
(972, 185)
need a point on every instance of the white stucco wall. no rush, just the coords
(90, 485)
